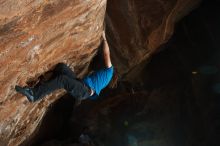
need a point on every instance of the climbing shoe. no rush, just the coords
(26, 91)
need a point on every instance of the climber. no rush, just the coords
(88, 87)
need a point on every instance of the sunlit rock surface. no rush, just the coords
(36, 35)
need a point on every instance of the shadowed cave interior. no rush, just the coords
(173, 101)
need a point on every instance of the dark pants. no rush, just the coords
(63, 77)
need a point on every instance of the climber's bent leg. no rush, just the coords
(73, 86)
(63, 69)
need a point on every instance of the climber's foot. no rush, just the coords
(26, 91)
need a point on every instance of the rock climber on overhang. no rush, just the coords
(88, 87)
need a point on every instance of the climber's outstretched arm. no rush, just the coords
(106, 52)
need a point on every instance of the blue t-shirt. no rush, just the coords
(98, 80)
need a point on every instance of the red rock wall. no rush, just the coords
(36, 35)
(137, 28)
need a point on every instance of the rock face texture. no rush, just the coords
(36, 35)
(138, 28)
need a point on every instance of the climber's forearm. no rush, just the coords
(106, 54)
